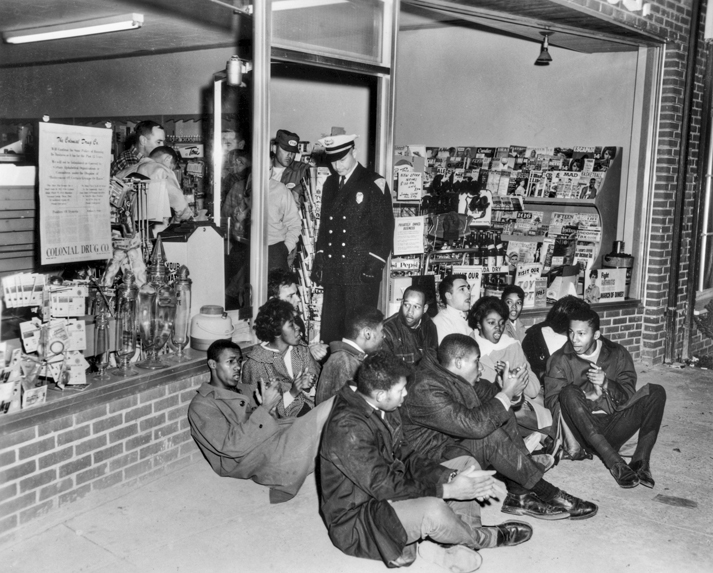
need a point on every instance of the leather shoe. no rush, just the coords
(624, 475)
(577, 508)
(643, 473)
(512, 533)
(529, 504)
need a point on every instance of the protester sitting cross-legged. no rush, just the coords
(381, 499)
(449, 411)
(282, 358)
(236, 429)
(593, 381)
(410, 333)
(487, 318)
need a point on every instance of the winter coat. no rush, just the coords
(341, 366)
(565, 367)
(441, 410)
(365, 463)
(240, 439)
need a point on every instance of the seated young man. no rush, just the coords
(454, 293)
(282, 358)
(379, 498)
(410, 333)
(450, 412)
(593, 381)
(364, 327)
(235, 427)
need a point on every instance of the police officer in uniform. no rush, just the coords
(355, 235)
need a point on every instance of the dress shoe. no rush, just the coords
(577, 508)
(643, 473)
(456, 558)
(512, 533)
(529, 504)
(624, 475)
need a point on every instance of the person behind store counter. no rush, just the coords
(454, 292)
(592, 293)
(235, 427)
(487, 318)
(410, 333)
(284, 167)
(282, 358)
(160, 167)
(148, 136)
(450, 411)
(355, 235)
(514, 297)
(365, 335)
(592, 381)
(282, 285)
(284, 225)
(230, 140)
(382, 499)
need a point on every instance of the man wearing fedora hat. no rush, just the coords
(284, 167)
(355, 235)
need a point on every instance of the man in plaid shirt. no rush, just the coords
(148, 135)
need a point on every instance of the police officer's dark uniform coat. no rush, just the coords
(355, 221)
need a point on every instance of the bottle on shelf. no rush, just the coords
(492, 254)
(500, 255)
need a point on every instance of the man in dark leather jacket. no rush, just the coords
(378, 497)
(410, 334)
(450, 412)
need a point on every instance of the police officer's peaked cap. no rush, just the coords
(337, 146)
(287, 140)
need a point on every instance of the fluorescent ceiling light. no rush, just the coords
(74, 29)
(280, 5)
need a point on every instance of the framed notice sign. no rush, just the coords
(74, 193)
(408, 235)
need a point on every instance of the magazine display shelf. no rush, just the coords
(605, 205)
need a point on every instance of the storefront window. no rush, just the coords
(348, 29)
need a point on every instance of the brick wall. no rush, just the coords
(622, 325)
(670, 20)
(134, 438)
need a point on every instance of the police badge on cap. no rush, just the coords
(287, 140)
(337, 146)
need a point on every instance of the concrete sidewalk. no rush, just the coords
(194, 521)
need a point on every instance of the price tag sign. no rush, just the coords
(410, 186)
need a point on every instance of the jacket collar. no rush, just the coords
(339, 346)
(607, 347)
(357, 401)
(432, 364)
(244, 391)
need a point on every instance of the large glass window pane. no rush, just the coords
(348, 29)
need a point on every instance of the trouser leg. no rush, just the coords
(588, 428)
(468, 511)
(332, 313)
(505, 451)
(277, 256)
(644, 415)
(433, 518)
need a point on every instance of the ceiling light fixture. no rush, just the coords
(544, 58)
(74, 29)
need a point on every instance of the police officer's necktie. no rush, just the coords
(341, 182)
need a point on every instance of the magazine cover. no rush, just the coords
(605, 285)
(589, 183)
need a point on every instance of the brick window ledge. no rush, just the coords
(62, 403)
